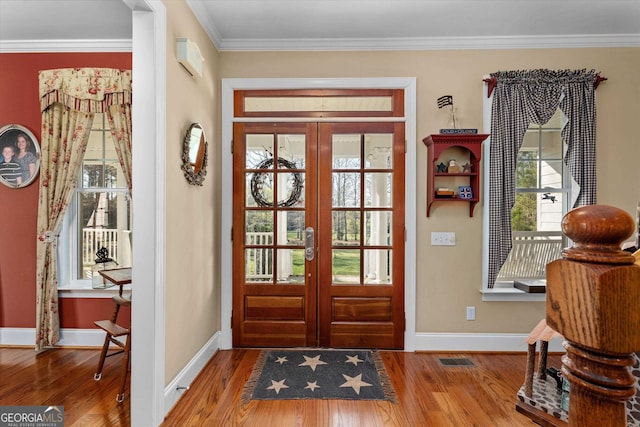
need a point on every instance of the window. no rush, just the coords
(541, 200)
(100, 212)
(524, 161)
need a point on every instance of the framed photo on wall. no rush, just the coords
(19, 156)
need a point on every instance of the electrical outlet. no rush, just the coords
(443, 238)
(471, 313)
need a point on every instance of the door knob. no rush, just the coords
(309, 245)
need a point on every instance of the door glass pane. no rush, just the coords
(290, 266)
(346, 151)
(258, 265)
(345, 266)
(290, 189)
(291, 227)
(378, 152)
(259, 149)
(377, 266)
(378, 228)
(346, 189)
(377, 190)
(259, 227)
(291, 149)
(259, 189)
(346, 228)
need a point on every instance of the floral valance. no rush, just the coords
(90, 90)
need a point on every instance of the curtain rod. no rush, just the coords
(491, 81)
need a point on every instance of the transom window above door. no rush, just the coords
(320, 103)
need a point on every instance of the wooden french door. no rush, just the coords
(318, 235)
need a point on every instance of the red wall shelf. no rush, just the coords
(469, 149)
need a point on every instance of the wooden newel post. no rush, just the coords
(593, 300)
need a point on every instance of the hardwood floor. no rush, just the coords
(428, 394)
(64, 377)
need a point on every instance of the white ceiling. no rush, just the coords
(64, 19)
(345, 24)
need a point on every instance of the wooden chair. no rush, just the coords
(539, 398)
(115, 331)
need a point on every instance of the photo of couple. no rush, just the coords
(20, 156)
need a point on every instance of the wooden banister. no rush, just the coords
(593, 300)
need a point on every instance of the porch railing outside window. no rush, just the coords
(530, 254)
(95, 238)
(259, 261)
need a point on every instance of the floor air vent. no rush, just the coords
(455, 361)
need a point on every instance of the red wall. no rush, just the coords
(19, 104)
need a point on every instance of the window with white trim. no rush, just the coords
(518, 99)
(99, 214)
(541, 201)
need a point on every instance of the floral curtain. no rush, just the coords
(69, 99)
(523, 97)
(119, 116)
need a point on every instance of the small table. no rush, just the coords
(117, 276)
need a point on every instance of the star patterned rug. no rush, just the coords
(318, 374)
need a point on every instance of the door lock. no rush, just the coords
(309, 245)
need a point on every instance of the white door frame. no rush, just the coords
(408, 84)
(149, 50)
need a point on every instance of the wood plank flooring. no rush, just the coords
(64, 377)
(428, 394)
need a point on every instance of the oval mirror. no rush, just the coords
(194, 155)
(19, 157)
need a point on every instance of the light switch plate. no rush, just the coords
(471, 313)
(443, 238)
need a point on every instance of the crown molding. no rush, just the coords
(41, 46)
(430, 43)
(206, 21)
(379, 44)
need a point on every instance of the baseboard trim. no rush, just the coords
(424, 341)
(173, 392)
(477, 342)
(18, 336)
(68, 337)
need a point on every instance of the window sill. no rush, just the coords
(84, 290)
(506, 292)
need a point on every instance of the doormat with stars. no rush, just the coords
(318, 374)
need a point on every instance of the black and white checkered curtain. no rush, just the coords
(521, 98)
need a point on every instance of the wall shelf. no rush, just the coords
(465, 149)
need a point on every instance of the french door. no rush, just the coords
(318, 235)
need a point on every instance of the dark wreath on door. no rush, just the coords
(258, 180)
